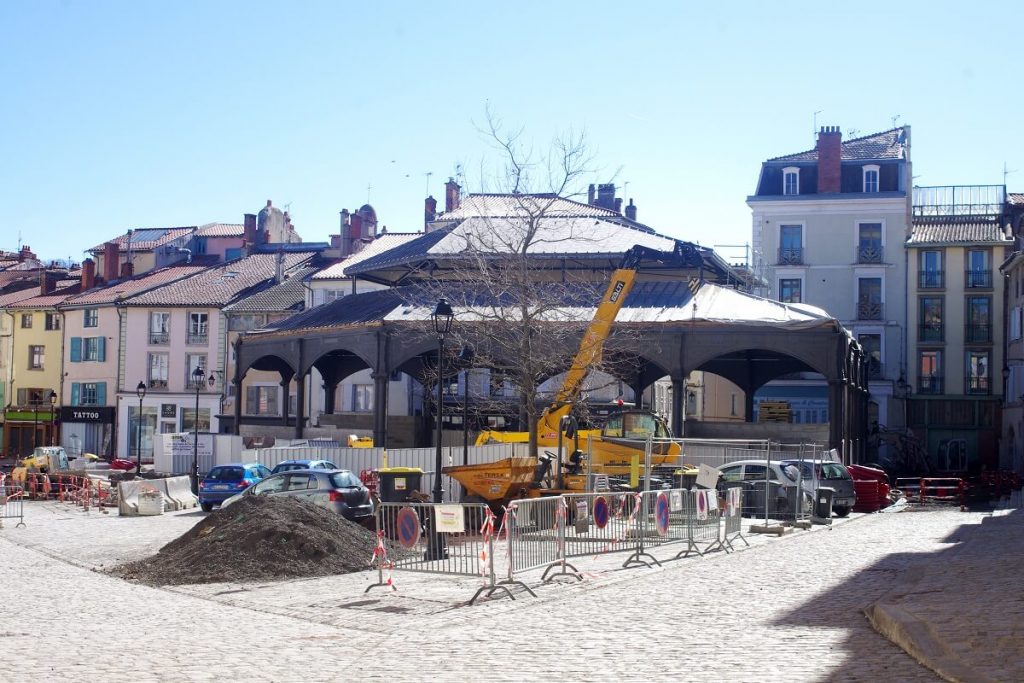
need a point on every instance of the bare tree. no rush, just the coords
(515, 306)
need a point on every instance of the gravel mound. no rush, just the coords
(258, 538)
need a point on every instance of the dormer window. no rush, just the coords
(871, 179)
(790, 181)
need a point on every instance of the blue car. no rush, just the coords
(224, 481)
(289, 465)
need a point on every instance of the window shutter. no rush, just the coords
(76, 393)
(76, 349)
(101, 391)
(101, 349)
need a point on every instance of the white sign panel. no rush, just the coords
(449, 519)
(707, 476)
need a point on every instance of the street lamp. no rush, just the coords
(35, 401)
(140, 391)
(53, 402)
(442, 317)
(197, 381)
(466, 360)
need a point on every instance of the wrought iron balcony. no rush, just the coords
(978, 279)
(931, 332)
(978, 334)
(159, 338)
(869, 253)
(929, 385)
(791, 256)
(978, 385)
(198, 339)
(931, 279)
(867, 310)
(876, 369)
(158, 384)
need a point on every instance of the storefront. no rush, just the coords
(87, 429)
(26, 429)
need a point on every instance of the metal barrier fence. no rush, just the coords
(599, 523)
(432, 538)
(534, 529)
(732, 517)
(12, 505)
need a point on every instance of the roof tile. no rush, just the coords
(888, 144)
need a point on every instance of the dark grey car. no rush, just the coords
(832, 475)
(337, 490)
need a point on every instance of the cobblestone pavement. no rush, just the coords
(789, 608)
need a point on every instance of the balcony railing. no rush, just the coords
(978, 385)
(978, 334)
(931, 332)
(931, 279)
(159, 338)
(876, 369)
(978, 279)
(198, 339)
(929, 385)
(867, 310)
(791, 256)
(869, 253)
(158, 384)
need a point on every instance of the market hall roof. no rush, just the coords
(493, 205)
(289, 295)
(585, 240)
(657, 301)
(383, 242)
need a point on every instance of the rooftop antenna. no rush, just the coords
(895, 119)
(368, 188)
(19, 240)
(287, 206)
(814, 131)
(428, 174)
(1006, 172)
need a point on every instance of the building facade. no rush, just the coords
(829, 226)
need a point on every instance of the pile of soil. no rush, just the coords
(258, 538)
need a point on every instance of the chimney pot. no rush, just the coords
(88, 274)
(830, 147)
(631, 210)
(452, 195)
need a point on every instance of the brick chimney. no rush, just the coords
(451, 195)
(618, 205)
(429, 210)
(830, 149)
(249, 233)
(47, 282)
(127, 269)
(88, 274)
(26, 252)
(631, 210)
(590, 194)
(111, 257)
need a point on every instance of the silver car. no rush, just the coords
(830, 474)
(337, 490)
(790, 474)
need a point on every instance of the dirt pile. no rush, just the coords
(258, 538)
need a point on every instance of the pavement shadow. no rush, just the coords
(843, 607)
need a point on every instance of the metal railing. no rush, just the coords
(931, 332)
(195, 338)
(12, 505)
(867, 310)
(978, 334)
(791, 256)
(870, 253)
(931, 279)
(930, 385)
(978, 385)
(978, 279)
(159, 338)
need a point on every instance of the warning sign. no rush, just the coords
(407, 527)
(449, 519)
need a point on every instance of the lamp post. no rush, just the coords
(466, 360)
(197, 380)
(53, 402)
(442, 317)
(35, 402)
(140, 391)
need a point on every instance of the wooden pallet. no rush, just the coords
(774, 411)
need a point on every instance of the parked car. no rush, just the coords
(224, 481)
(337, 490)
(289, 465)
(782, 482)
(831, 474)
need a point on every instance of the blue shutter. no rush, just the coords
(76, 393)
(76, 349)
(101, 391)
(101, 351)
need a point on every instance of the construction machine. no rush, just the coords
(623, 436)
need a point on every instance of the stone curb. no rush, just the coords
(917, 639)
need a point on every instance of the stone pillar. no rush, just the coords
(678, 405)
(330, 389)
(380, 407)
(300, 404)
(285, 385)
(237, 383)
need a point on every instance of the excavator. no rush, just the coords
(623, 436)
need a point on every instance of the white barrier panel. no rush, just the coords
(128, 497)
(178, 491)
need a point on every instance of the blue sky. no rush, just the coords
(122, 115)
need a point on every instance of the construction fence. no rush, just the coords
(12, 502)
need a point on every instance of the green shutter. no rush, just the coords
(101, 352)
(101, 391)
(76, 349)
(76, 393)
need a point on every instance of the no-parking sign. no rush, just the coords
(600, 512)
(661, 513)
(407, 527)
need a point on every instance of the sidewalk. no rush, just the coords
(960, 612)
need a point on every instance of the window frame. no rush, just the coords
(799, 290)
(90, 317)
(36, 356)
(866, 170)
(158, 382)
(26, 321)
(791, 172)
